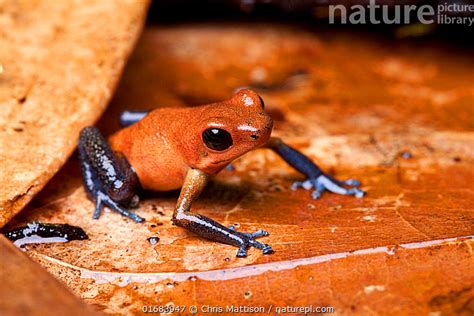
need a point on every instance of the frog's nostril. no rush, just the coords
(254, 137)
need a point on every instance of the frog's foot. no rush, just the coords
(324, 182)
(102, 199)
(249, 241)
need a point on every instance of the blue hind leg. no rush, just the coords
(316, 178)
(108, 177)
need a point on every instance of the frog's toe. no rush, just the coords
(242, 252)
(316, 194)
(296, 185)
(102, 199)
(249, 240)
(98, 208)
(266, 249)
(307, 184)
(357, 192)
(335, 186)
(352, 183)
(326, 183)
(233, 227)
(259, 233)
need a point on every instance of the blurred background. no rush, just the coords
(315, 13)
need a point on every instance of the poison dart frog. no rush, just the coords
(171, 148)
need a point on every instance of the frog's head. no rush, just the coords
(226, 130)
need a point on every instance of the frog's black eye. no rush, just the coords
(217, 139)
(261, 102)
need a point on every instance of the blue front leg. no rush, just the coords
(316, 178)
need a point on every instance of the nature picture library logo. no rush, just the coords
(373, 13)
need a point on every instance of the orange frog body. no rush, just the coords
(172, 148)
(163, 145)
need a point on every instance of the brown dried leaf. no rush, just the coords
(405, 246)
(60, 63)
